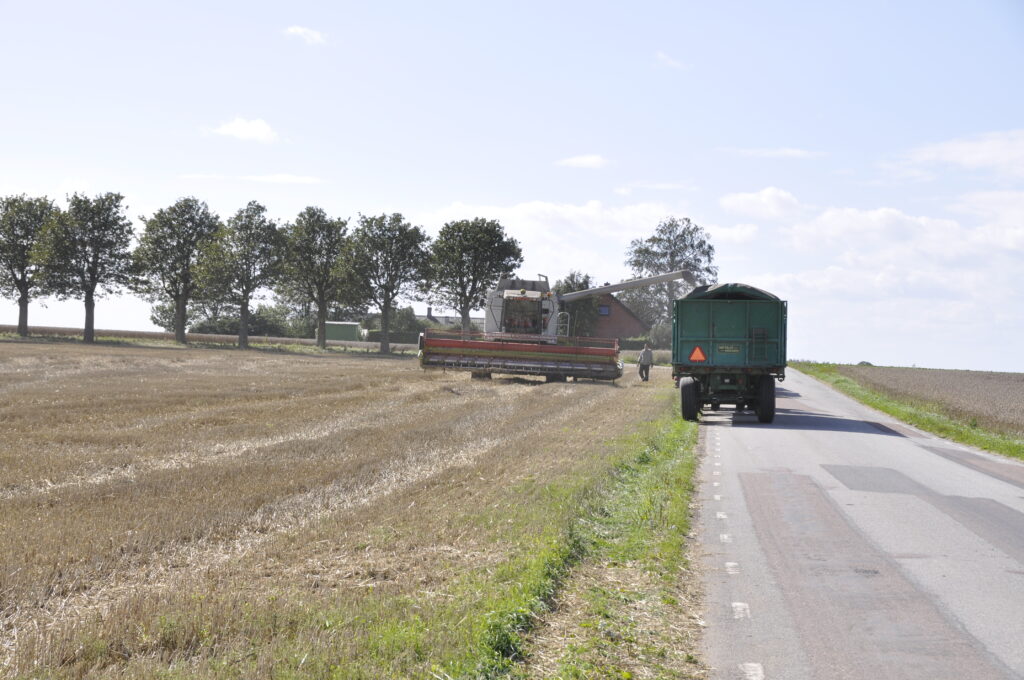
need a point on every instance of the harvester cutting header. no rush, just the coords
(526, 333)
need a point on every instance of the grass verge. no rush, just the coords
(628, 610)
(923, 414)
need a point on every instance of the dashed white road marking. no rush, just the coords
(752, 671)
(725, 538)
(718, 463)
(732, 567)
(717, 472)
(740, 610)
(716, 484)
(721, 515)
(717, 496)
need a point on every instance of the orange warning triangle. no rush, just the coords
(697, 354)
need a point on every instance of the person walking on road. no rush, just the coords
(644, 361)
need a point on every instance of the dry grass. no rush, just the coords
(175, 511)
(991, 400)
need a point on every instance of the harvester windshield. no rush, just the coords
(522, 315)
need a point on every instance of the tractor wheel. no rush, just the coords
(766, 399)
(689, 395)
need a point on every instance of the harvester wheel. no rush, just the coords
(766, 399)
(689, 395)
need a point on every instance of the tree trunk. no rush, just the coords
(465, 318)
(90, 317)
(243, 325)
(321, 324)
(385, 324)
(180, 308)
(23, 315)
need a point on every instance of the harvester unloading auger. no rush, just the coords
(526, 333)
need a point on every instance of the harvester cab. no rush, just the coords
(522, 307)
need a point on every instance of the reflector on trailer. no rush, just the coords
(697, 354)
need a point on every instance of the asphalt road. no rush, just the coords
(840, 544)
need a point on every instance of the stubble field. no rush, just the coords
(989, 399)
(167, 512)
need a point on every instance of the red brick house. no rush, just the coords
(616, 320)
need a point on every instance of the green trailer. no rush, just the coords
(728, 347)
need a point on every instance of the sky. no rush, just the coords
(863, 161)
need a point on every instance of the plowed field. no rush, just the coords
(178, 511)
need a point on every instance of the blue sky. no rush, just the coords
(863, 160)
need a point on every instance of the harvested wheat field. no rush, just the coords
(171, 512)
(989, 399)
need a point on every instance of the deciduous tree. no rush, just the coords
(313, 245)
(168, 255)
(677, 243)
(21, 225)
(467, 258)
(583, 312)
(85, 251)
(387, 258)
(243, 256)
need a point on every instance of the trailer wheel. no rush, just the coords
(689, 395)
(766, 399)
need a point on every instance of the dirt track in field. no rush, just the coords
(126, 472)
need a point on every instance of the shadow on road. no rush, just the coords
(798, 419)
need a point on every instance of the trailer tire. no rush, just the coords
(689, 397)
(766, 399)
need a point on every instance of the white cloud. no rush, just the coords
(780, 152)
(865, 236)
(1000, 152)
(770, 203)
(256, 129)
(738, 234)
(308, 35)
(278, 178)
(1003, 215)
(586, 161)
(283, 178)
(668, 61)
(203, 176)
(627, 189)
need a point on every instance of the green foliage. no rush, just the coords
(168, 256)
(21, 225)
(583, 313)
(467, 258)
(85, 251)
(402, 321)
(265, 320)
(314, 243)
(243, 256)
(386, 258)
(677, 243)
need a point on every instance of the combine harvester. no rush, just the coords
(526, 333)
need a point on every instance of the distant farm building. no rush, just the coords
(343, 330)
(616, 320)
